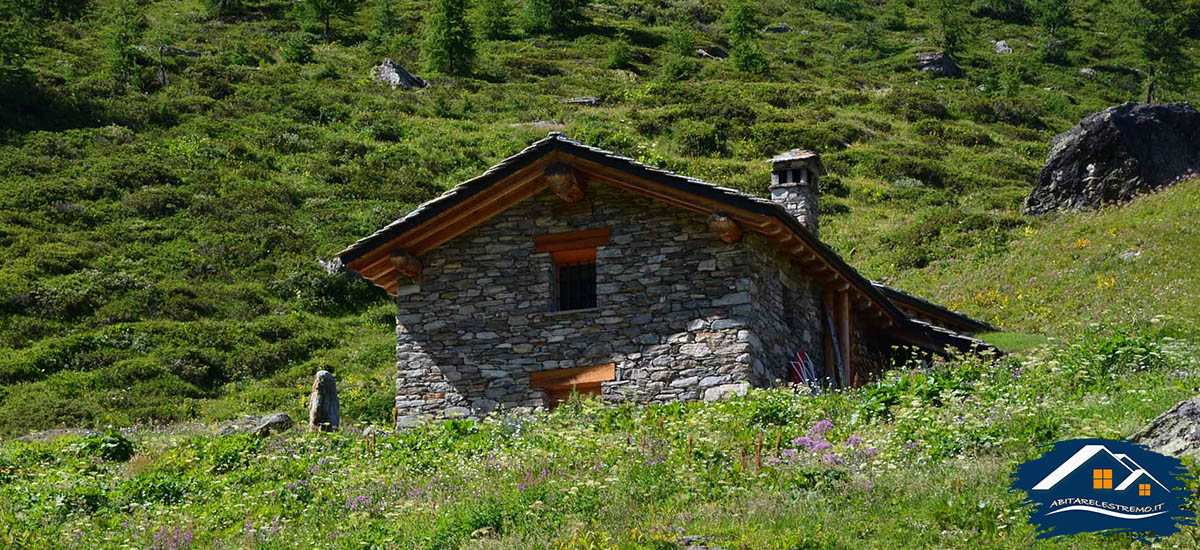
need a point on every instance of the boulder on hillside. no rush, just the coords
(272, 423)
(1175, 432)
(1116, 154)
(391, 73)
(939, 64)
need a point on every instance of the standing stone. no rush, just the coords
(324, 413)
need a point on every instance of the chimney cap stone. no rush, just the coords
(798, 156)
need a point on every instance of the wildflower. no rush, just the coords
(854, 441)
(831, 458)
(820, 428)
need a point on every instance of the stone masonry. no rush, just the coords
(681, 314)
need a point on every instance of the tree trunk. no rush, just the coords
(327, 26)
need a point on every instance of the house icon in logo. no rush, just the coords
(1095, 465)
(1104, 486)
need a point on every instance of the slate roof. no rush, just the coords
(556, 141)
(954, 319)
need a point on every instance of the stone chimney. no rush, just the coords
(794, 176)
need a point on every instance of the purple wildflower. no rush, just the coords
(820, 428)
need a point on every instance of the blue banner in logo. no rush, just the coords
(1104, 485)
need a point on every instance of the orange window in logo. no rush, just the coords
(1102, 479)
(1143, 489)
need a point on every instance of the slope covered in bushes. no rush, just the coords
(163, 215)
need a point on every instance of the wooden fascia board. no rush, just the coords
(482, 206)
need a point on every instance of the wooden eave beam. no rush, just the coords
(376, 267)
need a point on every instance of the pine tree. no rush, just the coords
(495, 19)
(951, 25)
(323, 10)
(449, 45)
(1153, 32)
(386, 22)
(741, 21)
(15, 38)
(553, 16)
(680, 40)
(126, 23)
(1056, 21)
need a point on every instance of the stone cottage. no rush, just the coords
(569, 268)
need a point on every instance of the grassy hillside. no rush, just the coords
(161, 242)
(1062, 273)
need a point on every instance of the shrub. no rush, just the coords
(748, 57)
(845, 9)
(217, 8)
(619, 55)
(680, 40)
(155, 487)
(678, 68)
(298, 48)
(914, 103)
(126, 23)
(1018, 111)
(1012, 11)
(111, 446)
(697, 138)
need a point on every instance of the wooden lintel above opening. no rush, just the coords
(571, 240)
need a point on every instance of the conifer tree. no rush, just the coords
(449, 45)
(1153, 33)
(124, 29)
(323, 10)
(495, 19)
(553, 16)
(741, 21)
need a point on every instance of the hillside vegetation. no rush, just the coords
(919, 460)
(163, 216)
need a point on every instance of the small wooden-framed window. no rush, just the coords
(574, 255)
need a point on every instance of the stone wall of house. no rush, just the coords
(678, 311)
(789, 316)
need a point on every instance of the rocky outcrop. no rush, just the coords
(324, 414)
(1117, 154)
(939, 64)
(272, 423)
(391, 73)
(1175, 432)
